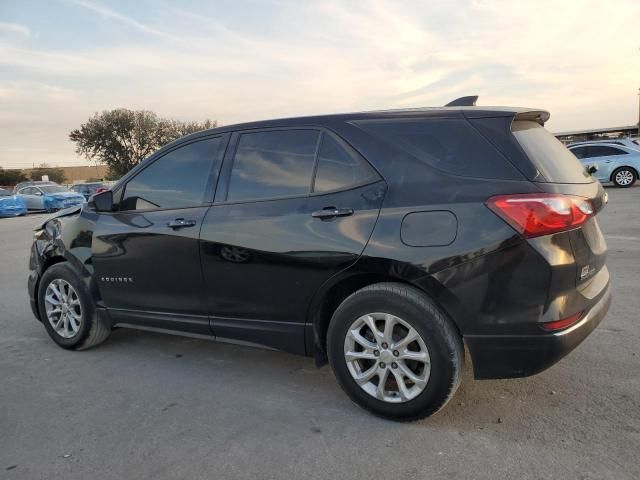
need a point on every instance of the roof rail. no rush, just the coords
(469, 101)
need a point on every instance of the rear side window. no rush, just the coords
(339, 168)
(176, 180)
(603, 151)
(552, 159)
(276, 163)
(450, 145)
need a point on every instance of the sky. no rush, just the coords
(232, 61)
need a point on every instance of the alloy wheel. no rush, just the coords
(624, 177)
(63, 308)
(387, 357)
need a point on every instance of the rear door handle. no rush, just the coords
(332, 212)
(181, 223)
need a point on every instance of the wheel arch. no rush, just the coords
(47, 262)
(633, 169)
(66, 238)
(337, 289)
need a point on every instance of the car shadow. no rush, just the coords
(478, 406)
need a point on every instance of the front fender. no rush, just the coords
(65, 236)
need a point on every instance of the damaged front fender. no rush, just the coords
(65, 236)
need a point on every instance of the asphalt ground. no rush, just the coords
(146, 405)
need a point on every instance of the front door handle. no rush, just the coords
(181, 223)
(332, 212)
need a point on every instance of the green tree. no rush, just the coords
(122, 138)
(55, 174)
(11, 177)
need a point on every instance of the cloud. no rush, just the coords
(11, 28)
(111, 14)
(272, 58)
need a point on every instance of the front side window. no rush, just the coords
(339, 169)
(579, 152)
(176, 180)
(276, 163)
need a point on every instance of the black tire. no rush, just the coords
(93, 329)
(624, 170)
(442, 340)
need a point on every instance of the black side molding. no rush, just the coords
(469, 101)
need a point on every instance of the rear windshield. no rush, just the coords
(548, 154)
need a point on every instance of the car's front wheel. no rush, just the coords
(624, 177)
(67, 310)
(395, 352)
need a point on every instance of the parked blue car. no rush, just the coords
(11, 205)
(616, 163)
(49, 197)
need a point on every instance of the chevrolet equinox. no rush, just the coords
(379, 242)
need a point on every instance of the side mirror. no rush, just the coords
(591, 169)
(102, 202)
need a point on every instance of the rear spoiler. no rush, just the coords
(539, 116)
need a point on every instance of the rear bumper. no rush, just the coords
(512, 356)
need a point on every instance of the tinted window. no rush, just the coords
(552, 159)
(603, 151)
(452, 146)
(176, 180)
(579, 152)
(53, 189)
(339, 168)
(277, 163)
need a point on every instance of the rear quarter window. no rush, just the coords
(552, 159)
(450, 145)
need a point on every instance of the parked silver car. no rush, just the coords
(49, 197)
(616, 163)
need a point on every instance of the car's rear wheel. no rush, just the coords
(624, 177)
(67, 310)
(395, 352)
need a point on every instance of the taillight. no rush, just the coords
(536, 214)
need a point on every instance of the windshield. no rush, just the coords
(53, 189)
(548, 154)
(5, 193)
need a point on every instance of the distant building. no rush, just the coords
(597, 134)
(82, 173)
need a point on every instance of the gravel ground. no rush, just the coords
(146, 405)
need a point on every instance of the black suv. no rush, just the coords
(381, 242)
